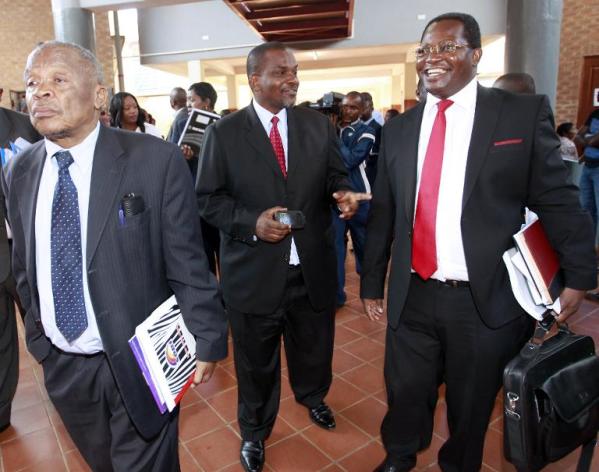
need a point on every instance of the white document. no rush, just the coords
(523, 287)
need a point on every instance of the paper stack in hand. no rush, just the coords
(533, 267)
(165, 351)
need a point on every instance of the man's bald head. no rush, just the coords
(516, 82)
(178, 98)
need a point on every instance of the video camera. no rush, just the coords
(329, 104)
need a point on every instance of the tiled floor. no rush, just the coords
(209, 437)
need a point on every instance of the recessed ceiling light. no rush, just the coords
(205, 37)
(421, 16)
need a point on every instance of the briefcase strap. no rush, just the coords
(586, 456)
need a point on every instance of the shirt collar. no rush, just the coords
(265, 116)
(465, 98)
(83, 153)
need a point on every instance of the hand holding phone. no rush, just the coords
(293, 218)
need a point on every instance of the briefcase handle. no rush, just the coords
(544, 326)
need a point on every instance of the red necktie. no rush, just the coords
(277, 145)
(424, 245)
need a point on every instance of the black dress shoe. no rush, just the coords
(385, 468)
(252, 455)
(322, 416)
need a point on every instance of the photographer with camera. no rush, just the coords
(356, 142)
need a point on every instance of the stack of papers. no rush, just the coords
(165, 352)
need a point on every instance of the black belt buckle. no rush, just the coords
(456, 283)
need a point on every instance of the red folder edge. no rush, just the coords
(540, 258)
(185, 388)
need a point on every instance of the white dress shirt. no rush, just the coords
(451, 262)
(81, 172)
(265, 117)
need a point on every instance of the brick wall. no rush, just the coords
(579, 38)
(25, 23)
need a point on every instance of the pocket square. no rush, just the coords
(505, 142)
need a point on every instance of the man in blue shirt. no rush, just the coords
(356, 141)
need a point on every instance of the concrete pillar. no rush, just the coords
(232, 91)
(73, 24)
(398, 85)
(411, 81)
(195, 71)
(532, 41)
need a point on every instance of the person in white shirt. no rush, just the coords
(125, 113)
(455, 173)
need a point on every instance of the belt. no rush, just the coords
(448, 282)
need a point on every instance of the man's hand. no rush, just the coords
(570, 300)
(373, 308)
(204, 371)
(187, 151)
(347, 202)
(270, 230)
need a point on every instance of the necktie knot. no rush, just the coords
(444, 105)
(64, 159)
(274, 120)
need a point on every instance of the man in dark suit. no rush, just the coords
(13, 125)
(277, 279)
(89, 269)
(456, 173)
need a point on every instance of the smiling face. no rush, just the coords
(63, 96)
(443, 75)
(275, 83)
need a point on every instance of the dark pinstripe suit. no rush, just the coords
(131, 267)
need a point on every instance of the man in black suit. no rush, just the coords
(277, 279)
(13, 125)
(456, 173)
(88, 270)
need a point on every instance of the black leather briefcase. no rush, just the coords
(551, 399)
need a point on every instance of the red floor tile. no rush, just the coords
(198, 419)
(342, 395)
(343, 361)
(295, 454)
(365, 349)
(215, 450)
(339, 442)
(225, 404)
(294, 414)
(30, 450)
(364, 459)
(366, 378)
(367, 415)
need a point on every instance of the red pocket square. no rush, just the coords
(505, 142)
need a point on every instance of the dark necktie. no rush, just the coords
(424, 245)
(66, 258)
(277, 145)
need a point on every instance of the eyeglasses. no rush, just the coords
(444, 48)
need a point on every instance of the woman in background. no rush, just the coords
(125, 113)
(566, 132)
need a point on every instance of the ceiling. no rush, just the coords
(297, 20)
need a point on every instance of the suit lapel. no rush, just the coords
(257, 138)
(107, 172)
(488, 107)
(27, 185)
(408, 161)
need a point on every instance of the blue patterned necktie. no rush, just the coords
(67, 275)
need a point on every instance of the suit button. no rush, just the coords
(409, 234)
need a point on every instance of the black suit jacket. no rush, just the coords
(239, 178)
(13, 125)
(513, 161)
(131, 267)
